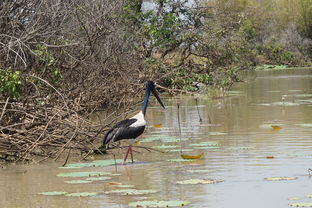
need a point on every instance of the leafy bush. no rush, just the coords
(10, 83)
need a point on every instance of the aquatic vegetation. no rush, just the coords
(77, 181)
(276, 127)
(304, 95)
(192, 157)
(179, 150)
(178, 160)
(271, 126)
(145, 204)
(217, 133)
(301, 204)
(98, 178)
(201, 171)
(198, 181)
(305, 125)
(240, 148)
(166, 147)
(53, 193)
(82, 194)
(130, 192)
(293, 198)
(280, 178)
(162, 139)
(235, 92)
(95, 163)
(207, 147)
(83, 174)
(284, 104)
(202, 144)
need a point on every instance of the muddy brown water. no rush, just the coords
(240, 140)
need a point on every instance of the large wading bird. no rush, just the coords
(132, 128)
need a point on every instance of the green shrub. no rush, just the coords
(10, 83)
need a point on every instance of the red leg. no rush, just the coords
(131, 153)
(126, 156)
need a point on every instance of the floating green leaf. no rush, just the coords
(305, 125)
(240, 148)
(202, 144)
(83, 174)
(96, 163)
(77, 181)
(235, 92)
(285, 104)
(178, 150)
(293, 198)
(280, 178)
(82, 194)
(130, 192)
(178, 160)
(309, 195)
(163, 139)
(53, 193)
(166, 147)
(207, 147)
(304, 95)
(145, 204)
(307, 101)
(217, 133)
(199, 181)
(124, 186)
(269, 125)
(201, 171)
(98, 178)
(301, 204)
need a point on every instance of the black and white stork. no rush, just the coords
(132, 128)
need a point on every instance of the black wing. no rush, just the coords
(122, 130)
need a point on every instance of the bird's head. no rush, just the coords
(150, 85)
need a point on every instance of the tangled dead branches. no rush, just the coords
(43, 130)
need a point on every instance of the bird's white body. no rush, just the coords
(140, 120)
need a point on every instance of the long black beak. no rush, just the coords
(154, 91)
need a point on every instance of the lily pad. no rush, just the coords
(124, 186)
(202, 144)
(198, 181)
(217, 133)
(145, 204)
(98, 178)
(293, 198)
(95, 163)
(83, 174)
(166, 147)
(269, 125)
(78, 181)
(304, 95)
(280, 178)
(285, 104)
(235, 92)
(130, 192)
(301, 204)
(305, 125)
(163, 139)
(309, 195)
(201, 171)
(178, 160)
(53, 193)
(207, 147)
(178, 150)
(82, 194)
(306, 101)
(240, 148)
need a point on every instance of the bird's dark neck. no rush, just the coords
(145, 103)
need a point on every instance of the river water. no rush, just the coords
(241, 151)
